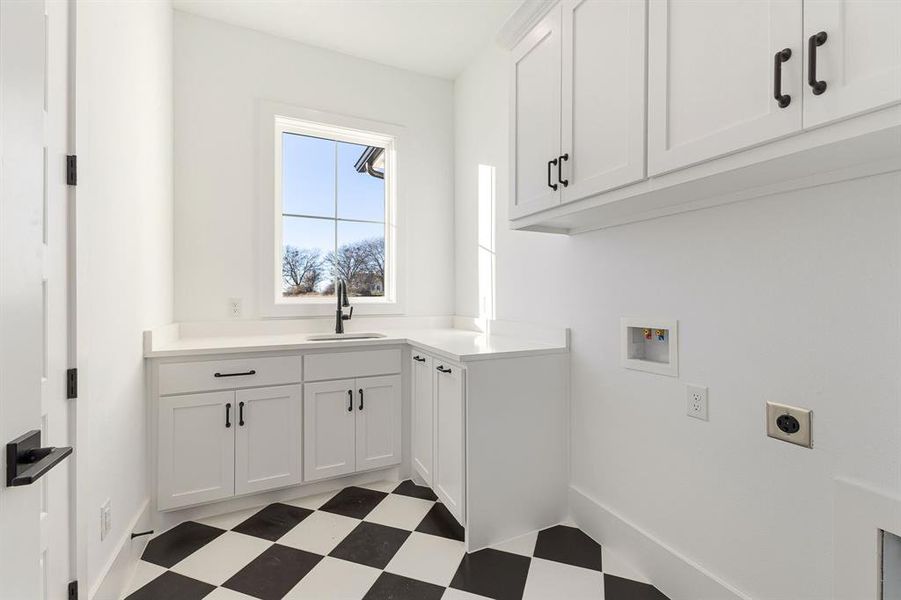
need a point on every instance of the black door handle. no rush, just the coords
(553, 186)
(250, 372)
(240, 414)
(565, 182)
(228, 410)
(350, 400)
(361, 398)
(779, 58)
(418, 359)
(815, 41)
(443, 369)
(26, 461)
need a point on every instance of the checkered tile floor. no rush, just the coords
(381, 541)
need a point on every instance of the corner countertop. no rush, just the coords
(461, 345)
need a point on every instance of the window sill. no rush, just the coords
(327, 309)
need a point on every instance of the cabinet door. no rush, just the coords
(268, 438)
(450, 439)
(196, 455)
(328, 429)
(535, 118)
(860, 59)
(604, 95)
(423, 416)
(378, 422)
(711, 77)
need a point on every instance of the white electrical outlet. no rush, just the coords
(234, 308)
(106, 519)
(697, 401)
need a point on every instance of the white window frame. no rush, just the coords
(275, 119)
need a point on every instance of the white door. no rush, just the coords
(449, 439)
(268, 438)
(603, 95)
(36, 543)
(535, 118)
(196, 461)
(422, 416)
(378, 427)
(711, 70)
(328, 429)
(859, 59)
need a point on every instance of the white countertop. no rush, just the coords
(453, 344)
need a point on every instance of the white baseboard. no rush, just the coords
(677, 576)
(117, 572)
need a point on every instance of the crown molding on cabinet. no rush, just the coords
(522, 21)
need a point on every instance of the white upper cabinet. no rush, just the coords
(603, 95)
(267, 444)
(328, 429)
(535, 118)
(711, 74)
(423, 411)
(378, 422)
(858, 59)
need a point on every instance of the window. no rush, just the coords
(333, 193)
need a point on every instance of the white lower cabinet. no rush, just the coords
(267, 444)
(196, 451)
(351, 425)
(439, 430)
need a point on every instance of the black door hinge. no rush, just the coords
(73, 590)
(71, 170)
(72, 383)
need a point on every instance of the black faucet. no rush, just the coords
(340, 317)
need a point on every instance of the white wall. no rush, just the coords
(124, 254)
(221, 72)
(792, 298)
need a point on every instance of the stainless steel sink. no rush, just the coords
(344, 336)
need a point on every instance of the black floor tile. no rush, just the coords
(439, 521)
(617, 588)
(371, 544)
(568, 545)
(354, 502)
(273, 573)
(492, 573)
(394, 587)
(172, 586)
(182, 540)
(408, 488)
(273, 522)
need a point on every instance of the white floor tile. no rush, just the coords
(455, 594)
(335, 579)
(313, 502)
(549, 579)
(614, 565)
(400, 511)
(524, 544)
(144, 573)
(222, 558)
(227, 594)
(381, 486)
(319, 533)
(232, 519)
(427, 558)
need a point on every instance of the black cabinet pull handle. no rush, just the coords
(418, 359)
(553, 186)
(779, 58)
(565, 182)
(350, 400)
(443, 369)
(815, 41)
(250, 372)
(228, 410)
(361, 398)
(240, 414)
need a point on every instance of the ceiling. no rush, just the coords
(434, 37)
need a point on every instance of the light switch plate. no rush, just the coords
(796, 424)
